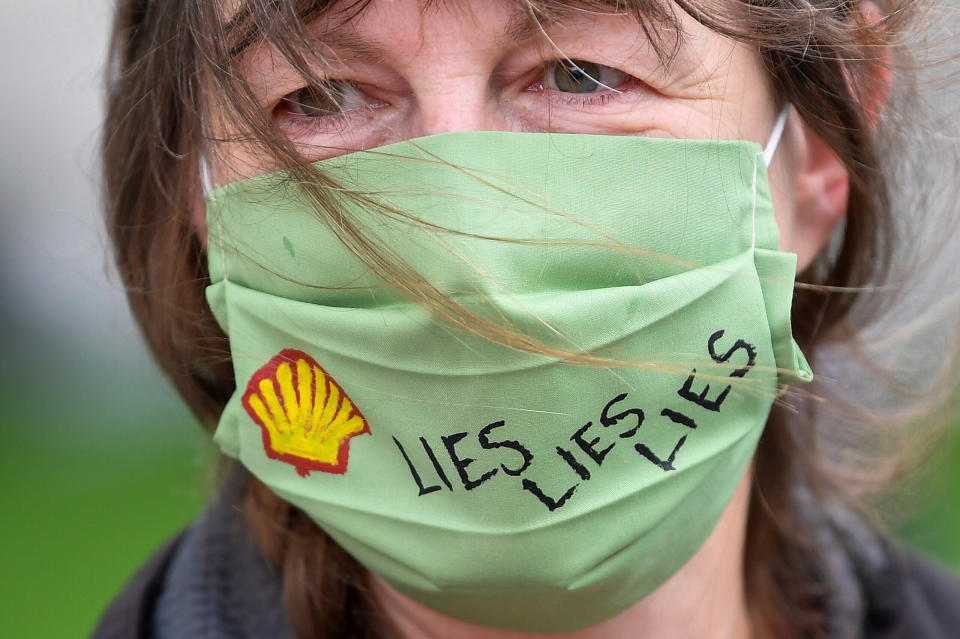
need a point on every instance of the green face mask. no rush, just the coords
(499, 486)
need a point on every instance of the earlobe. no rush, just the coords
(822, 191)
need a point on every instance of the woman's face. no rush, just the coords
(400, 70)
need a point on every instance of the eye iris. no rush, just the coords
(576, 76)
(317, 102)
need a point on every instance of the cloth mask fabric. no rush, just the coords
(503, 487)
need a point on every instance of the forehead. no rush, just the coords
(250, 20)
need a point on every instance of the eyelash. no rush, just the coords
(585, 100)
(301, 124)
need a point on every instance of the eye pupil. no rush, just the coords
(576, 76)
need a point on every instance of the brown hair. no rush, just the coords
(172, 64)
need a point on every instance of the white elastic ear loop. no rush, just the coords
(206, 179)
(775, 136)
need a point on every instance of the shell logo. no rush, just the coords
(306, 417)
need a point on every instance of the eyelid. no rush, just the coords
(274, 83)
(525, 62)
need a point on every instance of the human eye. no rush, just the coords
(582, 77)
(325, 107)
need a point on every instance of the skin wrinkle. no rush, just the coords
(396, 82)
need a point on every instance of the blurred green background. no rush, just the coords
(98, 466)
(99, 461)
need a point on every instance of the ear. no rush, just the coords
(822, 190)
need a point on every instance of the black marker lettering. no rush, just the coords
(700, 399)
(450, 441)
(664, 464)
(678, 418)
(606, 420)
(436, 463)
(485, 443)
(737, 346)
(589, 447)
(551, 504)
(667, 464)
(423, 490)
(572, 462)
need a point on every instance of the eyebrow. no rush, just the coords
(338, 38)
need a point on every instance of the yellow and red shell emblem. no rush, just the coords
(306, 417)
